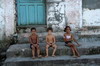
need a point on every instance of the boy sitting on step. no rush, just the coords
(34, 40)
(50, 40)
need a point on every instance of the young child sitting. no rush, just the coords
(68, 38)
(50, 40)
(34, 40)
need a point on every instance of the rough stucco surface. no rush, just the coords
(2, 23)
(7, 17)
(59, 14)
(10, 16)
(63, 13)
(73, 13)
(91, 17)
(55, 15)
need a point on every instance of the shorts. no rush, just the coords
(66, 43)
(31, 46)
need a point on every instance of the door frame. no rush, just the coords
(16, 16)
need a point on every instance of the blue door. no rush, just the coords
(31, 12)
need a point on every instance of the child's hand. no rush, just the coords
(48, 43)
(78, 45)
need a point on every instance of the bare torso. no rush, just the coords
(50, 38)
(34, 38)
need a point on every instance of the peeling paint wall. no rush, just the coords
(7, 18)
(59, 14)
(91, 17)
(2, 19)
(56, 15)
(73, 13)
(10, 17)
(91, 13)
(64, 12)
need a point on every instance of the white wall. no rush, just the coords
(56, 15)
(2, 19)
(7, 18)
(91, 17)
(73, 13)
(67, 12)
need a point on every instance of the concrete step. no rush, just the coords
(23, 50)
(27, 29)
(90, 33)
(85, 60)
(24, 37)
(88, 38)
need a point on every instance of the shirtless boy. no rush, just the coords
(34, 40)
(50, 40)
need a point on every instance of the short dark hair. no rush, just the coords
(33, 28)
(49, 29)
(66, 28)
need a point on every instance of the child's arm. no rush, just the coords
(30, 40)
(47, 40)
(54, 40)
(64, 38)
(37, 39)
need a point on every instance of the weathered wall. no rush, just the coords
(2, 19)
(56, 14)
(59, 14)
(73, 13)
(91, 12)
(64, 12)
(7, 18)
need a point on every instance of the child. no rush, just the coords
(34, 40)
(68, 38)
(50, 40)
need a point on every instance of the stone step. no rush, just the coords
(24, 37)
(27, 29)
(89, 33)
(23, 50)
(85, 60)
(88, 38)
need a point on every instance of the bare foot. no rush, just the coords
(74, 56)
(33, 57)
(46, 56)
(40, 56)
(78, 55)
(53, 55)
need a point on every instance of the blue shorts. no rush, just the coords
(31, 46)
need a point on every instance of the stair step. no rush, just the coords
(23, 50)
(85, 60)
(27, 29)
(24, 37)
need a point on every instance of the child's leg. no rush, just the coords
(76, 51)
(72, 48)
(47, 46)
(73, 51)
(54, 50)
(33, 51)
(38, 50)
